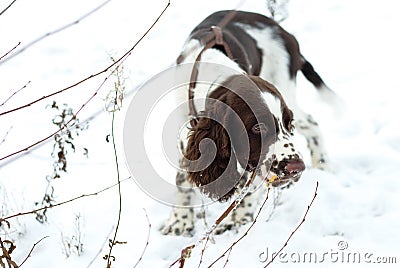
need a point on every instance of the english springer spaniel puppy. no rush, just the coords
(255, 107)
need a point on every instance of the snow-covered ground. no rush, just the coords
(352, 44)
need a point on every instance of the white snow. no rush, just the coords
(352, 44)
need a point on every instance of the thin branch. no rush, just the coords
(82, 122)
(62, 203)
(247, 231)
(101, 248)
(16, 92)
(147, 242)
(185, 253)
(116, 62)
(202, 252)
(64, 126)
(5, 136)
(295, 230)
(227, 258)
(54, 32)
(30, 252)
(8, 52)
(4, 10)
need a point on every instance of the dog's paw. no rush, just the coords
(234, 222)
(180, 223)
(223, 227)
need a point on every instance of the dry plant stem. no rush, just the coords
(53, 32)
(295, 230)
(8, 52)
(147, 241)
(247, 231)
(185, 253)
(4, 10)
(62, 203)
(109, 256)
(30, 252)
(115, 63)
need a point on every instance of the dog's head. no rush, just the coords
(246, 125)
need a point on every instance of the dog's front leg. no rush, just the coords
(181, 221)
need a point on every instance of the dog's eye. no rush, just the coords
(260, 128)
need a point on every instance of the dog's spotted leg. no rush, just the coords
(243, 214)
(307, 126)
(181, 220)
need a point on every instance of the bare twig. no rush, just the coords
(4, 10)
(227, 258)
(62, 203)
(295, 230)
(116, 62)
(147, 241)
(8, 52)
(185, 253)
(202, 251)
(64, 126)
(54, 32)
(16, 92)
(275, 203)
(247, 231)
(83, 122)
(30, 252)
(101, 248)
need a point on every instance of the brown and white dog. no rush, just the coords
(260, 50)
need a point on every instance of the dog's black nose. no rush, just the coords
(295, 166)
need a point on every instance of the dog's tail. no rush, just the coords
(327, 94)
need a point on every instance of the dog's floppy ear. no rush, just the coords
(211, 163)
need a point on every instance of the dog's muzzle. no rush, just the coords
(285, 172)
